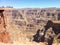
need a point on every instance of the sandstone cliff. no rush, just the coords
(22, 24)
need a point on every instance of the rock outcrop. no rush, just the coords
(4, 35)
(27, 20)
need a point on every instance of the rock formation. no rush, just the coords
(27, 20)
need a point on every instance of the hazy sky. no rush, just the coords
(30, 3)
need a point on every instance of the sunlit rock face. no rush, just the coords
(29, 18)
(4, 35)
(28, 21)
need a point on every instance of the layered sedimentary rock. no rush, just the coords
(4, 35)
(28, 20)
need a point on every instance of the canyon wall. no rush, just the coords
(28, 20)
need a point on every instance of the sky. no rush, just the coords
(30, 3)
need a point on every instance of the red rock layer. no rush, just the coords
(4, 37)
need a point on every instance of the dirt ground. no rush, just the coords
(28, 43)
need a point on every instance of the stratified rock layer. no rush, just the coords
(4, 35)
(23, 23)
